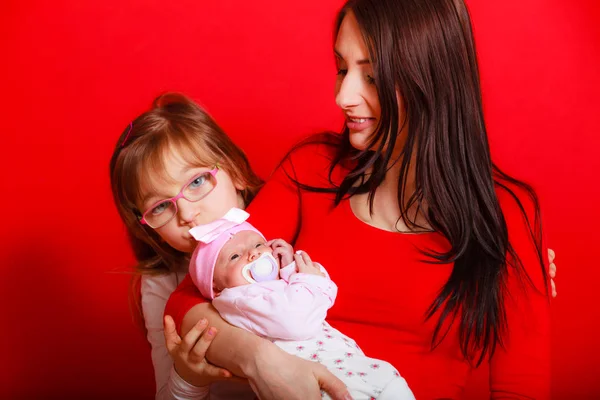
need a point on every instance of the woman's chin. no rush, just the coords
(360, 141)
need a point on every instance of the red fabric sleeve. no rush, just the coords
(521, 369)
(185, 296)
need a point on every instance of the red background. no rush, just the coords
(74, 74)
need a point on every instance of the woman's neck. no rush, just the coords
(386, 206)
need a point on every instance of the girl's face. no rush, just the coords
(178, 172)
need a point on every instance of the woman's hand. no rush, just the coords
(189, 354)
(552, 270)
(279, 375)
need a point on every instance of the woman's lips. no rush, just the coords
(359, 124)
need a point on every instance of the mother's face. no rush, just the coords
(355, 89)
(356, 93)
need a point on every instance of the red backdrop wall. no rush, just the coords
(75, 73)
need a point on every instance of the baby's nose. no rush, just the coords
(254, 253)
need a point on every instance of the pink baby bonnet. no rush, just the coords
(211, 239)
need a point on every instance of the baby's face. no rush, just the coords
(243, 248)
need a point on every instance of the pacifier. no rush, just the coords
(264, 268)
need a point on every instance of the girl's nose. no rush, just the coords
(186, 211)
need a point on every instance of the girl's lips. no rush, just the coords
(364, 123)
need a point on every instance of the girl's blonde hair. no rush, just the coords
(174, 123)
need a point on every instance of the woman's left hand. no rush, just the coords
(552, 270)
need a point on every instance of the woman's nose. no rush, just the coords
(348, 93)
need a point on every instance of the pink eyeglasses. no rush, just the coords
(163, 211)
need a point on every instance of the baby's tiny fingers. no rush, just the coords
(553, 288)
(306, 258)
(299, 260)
(552, 270)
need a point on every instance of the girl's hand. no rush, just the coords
(552, 270)
(279, 375)
(282, 250)
(188, 354)
(305, 264)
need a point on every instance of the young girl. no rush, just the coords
(176, 143)
(411, 178)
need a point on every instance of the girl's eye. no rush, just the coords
(370, 79)
(199, 181)
(161, 208)
(342, 72)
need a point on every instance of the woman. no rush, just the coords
(410, 186)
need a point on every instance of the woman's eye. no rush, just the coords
(199, 181)
(159, 209)
(370, 79)
(342, 72)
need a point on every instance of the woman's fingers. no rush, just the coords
(551, 255)
(552, 270)
(172, 338)
(331, 384)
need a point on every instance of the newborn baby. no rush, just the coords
(240, 271)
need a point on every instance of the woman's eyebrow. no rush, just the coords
(359, 62)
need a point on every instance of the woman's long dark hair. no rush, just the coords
(425, 49)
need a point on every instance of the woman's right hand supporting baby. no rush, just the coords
(272, 373)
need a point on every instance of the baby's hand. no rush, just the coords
(305, 264)
(282, 251)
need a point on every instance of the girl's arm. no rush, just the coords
(155, 291)
(521, 368)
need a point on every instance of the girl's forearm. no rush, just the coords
(233, 348)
